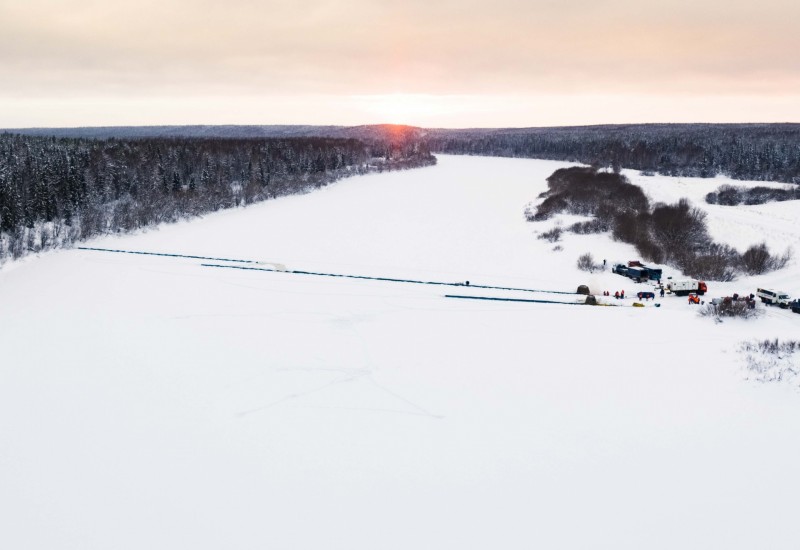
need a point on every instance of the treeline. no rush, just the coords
(54, 192)
(763, 152)
(672, 234)
(731, 195)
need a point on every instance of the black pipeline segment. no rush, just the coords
(513, 300)
(386, 279)
(313, 273)
(166, 255)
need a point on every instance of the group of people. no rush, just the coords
(620, 294)
(750, 300)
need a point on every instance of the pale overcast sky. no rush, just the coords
(431, 63)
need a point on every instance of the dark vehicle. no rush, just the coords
(654, 274)
(794, 305)
(640, 274)
(637, 271)
(646, 295)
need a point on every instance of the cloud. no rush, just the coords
(202, 48)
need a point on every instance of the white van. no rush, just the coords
(775, 297)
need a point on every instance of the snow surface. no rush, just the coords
(150, 402)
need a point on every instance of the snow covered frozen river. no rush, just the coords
(151, 402)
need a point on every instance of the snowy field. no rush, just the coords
(152, 403)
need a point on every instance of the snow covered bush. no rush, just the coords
(731, 309)
(590, 227)
(772, 360)
(586, 263)
(757, 260)
(554, 235)
(715, 261)
(731, 195)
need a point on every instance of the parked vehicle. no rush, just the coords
(773, 297)
(794, 305)
(654, 274)
(637, 271)
(646, 295)
(683, 287)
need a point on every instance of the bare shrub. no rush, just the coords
(584, 190)
(772, 360)
(731, 309)
(590, 227)
(717, 262)
(757, 260)
(679, 228)
(729, 195)
(650, 251)
(554, 235)
(779, 262)
(530, 213)
(550, 206)
(558, 248)
(586, 263)
(772, 347)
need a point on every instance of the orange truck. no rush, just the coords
(684, 287)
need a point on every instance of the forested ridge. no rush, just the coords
(56, 191)
(763, 152)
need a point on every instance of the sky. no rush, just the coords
(434, 63)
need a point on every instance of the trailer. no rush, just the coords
(637, 271)
(654, 273)
(684, 287)
(638, 274)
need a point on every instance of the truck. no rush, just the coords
(644, 273)
(620, 269)
(683, 287)
(773, 297)
(637, 271)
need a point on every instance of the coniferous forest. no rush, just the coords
(57, 191)
(762, 152)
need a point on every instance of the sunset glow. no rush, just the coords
(447, 63)
(412, 108)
